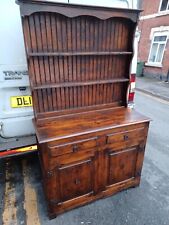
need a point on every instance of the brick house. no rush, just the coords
(154, 33)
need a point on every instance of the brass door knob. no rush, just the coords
(75, 148)
(77, 181)
(126, 137)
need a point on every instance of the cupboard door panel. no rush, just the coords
(76, 179)
(121, 165)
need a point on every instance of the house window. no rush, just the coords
(157, 49)
(164, 6)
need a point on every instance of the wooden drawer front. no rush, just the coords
(73, 146)
(121, 165)
(76, 179)
(126, 138)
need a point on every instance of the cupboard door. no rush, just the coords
(121, 165)
(76, 179)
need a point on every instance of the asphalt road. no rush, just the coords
(22, 200)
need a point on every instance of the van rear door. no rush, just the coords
(15, 110)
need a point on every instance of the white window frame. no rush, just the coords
(167, 10)
(156, 34)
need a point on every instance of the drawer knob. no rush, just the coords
(77, 181)
(75, 148)
(126, 137)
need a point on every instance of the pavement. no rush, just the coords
(153, 87)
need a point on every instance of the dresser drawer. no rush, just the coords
(70, 147)
(126, 138)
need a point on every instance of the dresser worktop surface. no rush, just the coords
(88, 122)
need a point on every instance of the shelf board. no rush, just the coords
(77, 53)
(80, 83)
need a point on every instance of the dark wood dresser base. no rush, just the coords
(82, 165)
(90, 144)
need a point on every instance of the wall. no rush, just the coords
(150, 8)
(145, 26)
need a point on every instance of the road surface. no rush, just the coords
(22, 200)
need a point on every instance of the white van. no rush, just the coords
(16, 113)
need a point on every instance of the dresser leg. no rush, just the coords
(137, 182)
(52, 215)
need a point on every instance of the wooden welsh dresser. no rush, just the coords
(90, 144)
